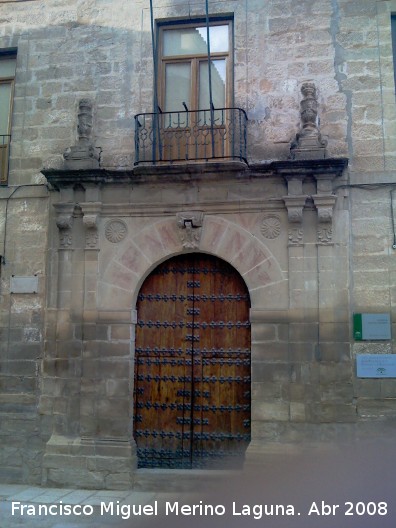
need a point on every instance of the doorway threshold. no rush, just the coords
(179, 480)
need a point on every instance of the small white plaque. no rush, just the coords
(24, 284)
(376, 365)
(376, 326)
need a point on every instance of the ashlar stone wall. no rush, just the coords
(67, 350)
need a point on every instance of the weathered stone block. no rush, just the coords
(278, 411)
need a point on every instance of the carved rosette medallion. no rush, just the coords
(190, 228)
(116, 231)
(271, 227)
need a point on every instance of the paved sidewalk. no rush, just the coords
(350, 487)
(19, 507)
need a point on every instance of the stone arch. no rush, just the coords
(126, 270)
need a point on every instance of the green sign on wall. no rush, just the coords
(369, 326)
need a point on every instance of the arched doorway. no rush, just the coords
(192, 365)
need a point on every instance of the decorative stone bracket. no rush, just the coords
(323, 172)
(325, 206)
(190, 228)
(64, 221)
(295, 206)
(295, 202)
(91, 211)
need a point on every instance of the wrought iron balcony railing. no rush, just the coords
(4, 152)
(198, 135)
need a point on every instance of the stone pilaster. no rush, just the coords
(61, 366)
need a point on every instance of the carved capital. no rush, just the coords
(64, 222)
(190, 228)
(90, 221)
(325, 206)
(91, 212)
(295, 206)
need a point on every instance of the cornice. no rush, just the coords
(178, 173)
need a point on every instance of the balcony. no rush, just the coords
(4, 152)
(190, 136)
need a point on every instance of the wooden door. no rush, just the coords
(192, 365)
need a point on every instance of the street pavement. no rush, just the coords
(350, 487)
(14, 515)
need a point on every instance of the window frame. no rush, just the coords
(10, 80)
(195, 60)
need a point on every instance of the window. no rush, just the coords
(190, 128)
(7, 78)
(184, 67)
(194, 118)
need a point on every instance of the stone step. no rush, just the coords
(187, 480)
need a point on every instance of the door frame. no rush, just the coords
(142, 282)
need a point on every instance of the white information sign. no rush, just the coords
(376, 365)
(376, 326)
(24, 284)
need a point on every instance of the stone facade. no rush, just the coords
(307, 223)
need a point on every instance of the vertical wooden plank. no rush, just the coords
(223, 372)
(163, 369)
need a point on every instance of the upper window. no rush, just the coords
(184, 72)
(7, 78)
